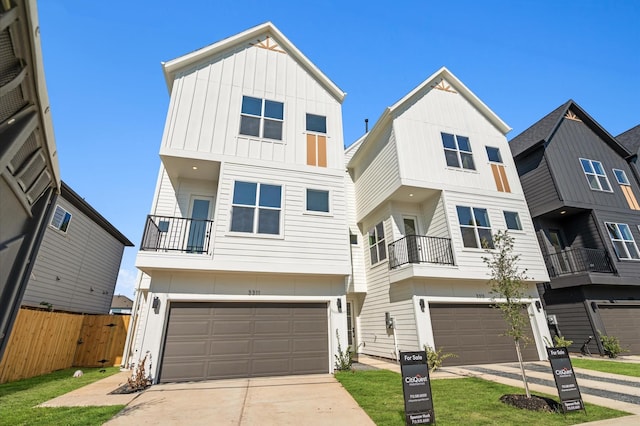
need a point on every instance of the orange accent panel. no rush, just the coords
(311, 150)
(496, 177)
(631, 198)
(505, 181)
(322, 151)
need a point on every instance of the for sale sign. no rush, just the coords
(565, 378)
(416, 387)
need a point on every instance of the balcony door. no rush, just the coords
(560, 262)
(199, 226)
(412, 238)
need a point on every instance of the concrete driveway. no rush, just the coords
(291, 400)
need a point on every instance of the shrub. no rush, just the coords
(611, 346)
(344, 359)
(561, 342)
(436, 358)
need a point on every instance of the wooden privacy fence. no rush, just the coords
(42, 342)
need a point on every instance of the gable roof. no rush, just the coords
(174, 66)
(120, 301)
(542, 131)
(443, 73)
(630, 139)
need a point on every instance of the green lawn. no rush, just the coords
(615, 367)
(18, 400)
(468, 401)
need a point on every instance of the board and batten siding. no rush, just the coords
(574, 140)
(75, 271)
(376, 175)
(319, 241)
(538, 185)
(204, 114)
(526, 244)
(421, 157)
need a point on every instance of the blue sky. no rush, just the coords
(522, 58)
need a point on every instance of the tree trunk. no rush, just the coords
(524, 376)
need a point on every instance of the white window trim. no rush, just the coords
(586, 175)
(262, 119)
(627, 183)
(475, 228)
(315, 212)
(458, 151)
(499, 153)
(377, 244)
(623, 241)
(519, 220)
(314, 132)
(255, 233)
(58, 226)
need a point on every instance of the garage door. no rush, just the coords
(226, 340)
(623, 322)
(473, 332)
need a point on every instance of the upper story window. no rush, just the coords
(622, 240)
(621, 177)
(377, 247)
(595, 174)
(316, 123)
(61, 219)
(457, 151)
(513, 221)
(256, 208)
(475, 227)
(317, 201)
(493, 154)
(261, 118)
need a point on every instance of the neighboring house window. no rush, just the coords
(622, 240)
(475, 227)
(513, 221)
(316, 140)
(595, 174)
(498, 170)
(377, 246)
(621, 177)
(457, 151)
(317, 200)
(256, 208)
(261, 118)
(61, 219)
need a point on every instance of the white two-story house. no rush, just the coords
(428, 186)
(245, 253)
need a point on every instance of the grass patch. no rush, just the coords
(18, 400)
(468, 401)
(615, 367)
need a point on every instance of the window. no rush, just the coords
(316, 123)
(261, 118)
(457, 151)
(494, 154)
(622, 240)
(317, 200)
(61, 219)
(513, 221)
(251, 197)
(595, 174)
(621, 177)
(377, 246)
(316, 140)
(475, 227)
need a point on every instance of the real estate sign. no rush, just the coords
(565, 378)
(416, 387)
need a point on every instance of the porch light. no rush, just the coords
(195, 167)
(563, 212)
(410, 195)
(339, 303)
(422, 305)
(538, 305)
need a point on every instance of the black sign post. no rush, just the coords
(416, 387)
(565, 378)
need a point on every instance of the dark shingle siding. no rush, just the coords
(538, 132)
(630, 139)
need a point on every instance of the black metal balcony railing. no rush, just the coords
(420, 249)
(164, 233)
(576, 260)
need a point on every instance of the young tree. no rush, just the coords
(507, 284)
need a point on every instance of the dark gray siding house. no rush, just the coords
(29, 172)
(78, 262)
(583, 196)
(631, 141)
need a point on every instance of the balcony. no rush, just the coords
(176, 234)
(578, 260)
(420, 249)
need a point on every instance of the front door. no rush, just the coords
(199, 225)
(351, 328)
(558, 260)
(412, 238)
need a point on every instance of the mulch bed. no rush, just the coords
(535, 403)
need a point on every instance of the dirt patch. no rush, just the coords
(534, 403)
